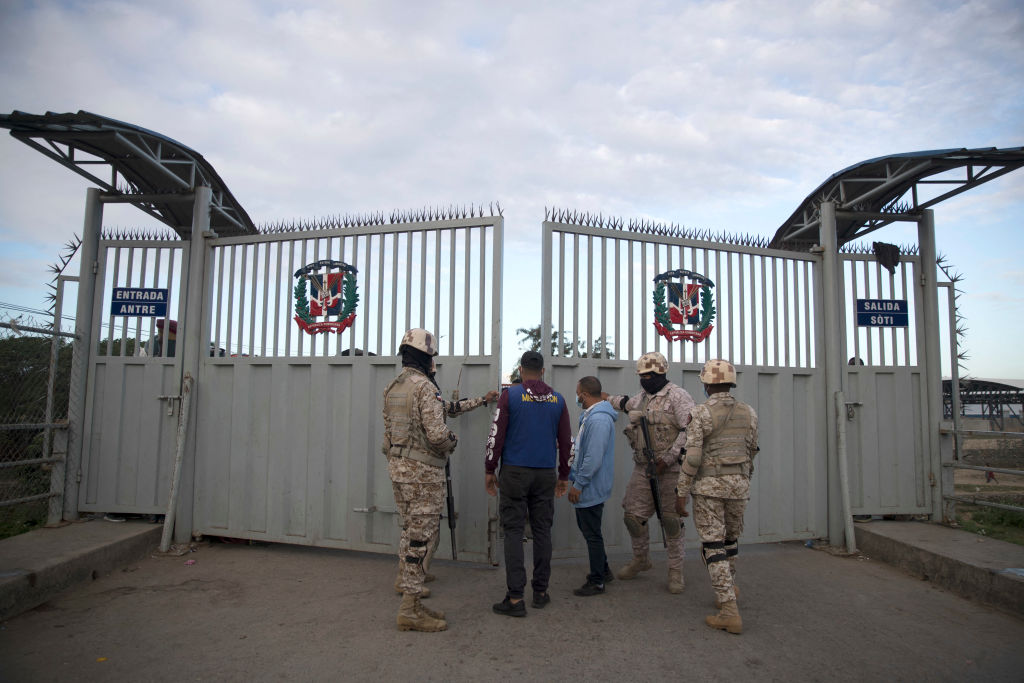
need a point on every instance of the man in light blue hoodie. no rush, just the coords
(592, 475)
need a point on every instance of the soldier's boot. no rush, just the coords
(727, 619)
(411, 617)
(435, 613)
(641, 561)
(636, 565)
(425, 593)
(674, 550)
(675, 581)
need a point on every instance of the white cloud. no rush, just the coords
(713, 114)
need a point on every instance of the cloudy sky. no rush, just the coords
(720, 115)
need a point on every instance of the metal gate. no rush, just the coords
(886, 412)
(289, 425)
(134, 375)
(285, 432)
(771, 323)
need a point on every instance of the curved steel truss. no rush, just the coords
(876, 192)
(132, 165)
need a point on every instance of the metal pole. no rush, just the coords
(57, 473)
(545, 288)
(179, 452)
(833, 365)
(933, 362)
(954, 369)
(89, 255)
(844, 478)
(199, 290)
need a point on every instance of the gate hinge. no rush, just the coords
(95, 267)
(78, 477)
(931, 479)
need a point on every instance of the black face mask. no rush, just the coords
(654, 384)
(414, 358)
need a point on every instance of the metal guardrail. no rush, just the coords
(974, 500)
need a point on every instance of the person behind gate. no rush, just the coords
(720, 447)
(666, 408)
(529, 420)
(592, 474)
(417, 443)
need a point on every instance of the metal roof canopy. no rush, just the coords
(155, 173)
(874, 193)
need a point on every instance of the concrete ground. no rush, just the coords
(276, 612)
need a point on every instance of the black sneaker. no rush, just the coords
(609, 575)
(588, 589)
(509, 608)
(540, 599)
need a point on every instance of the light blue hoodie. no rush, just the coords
(593, 469)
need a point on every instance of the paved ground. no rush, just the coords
(243, 613)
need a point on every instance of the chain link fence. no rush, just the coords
(35, 368)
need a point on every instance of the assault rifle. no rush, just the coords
(652, 475)
(448, 482)
(451, 506)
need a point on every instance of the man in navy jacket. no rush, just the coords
(592, 475)
(531, 418)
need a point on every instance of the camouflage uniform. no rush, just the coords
(720, 447)
(668, 413)
(417, 443)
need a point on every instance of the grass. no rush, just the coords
(17, 519)
(1003, 525)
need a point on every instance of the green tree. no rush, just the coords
(530, 340)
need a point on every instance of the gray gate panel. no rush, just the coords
(289, 451)
(788, 487)
(766, 325)
(289, 428)
(130, 436)
(888, 471)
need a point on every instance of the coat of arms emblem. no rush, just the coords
(334, 293)
(689, 302)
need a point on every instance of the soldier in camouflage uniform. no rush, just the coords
(417, 443)
(453, 409)
(667, 407)
(720, 448)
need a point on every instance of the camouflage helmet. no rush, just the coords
(421, 340)
(718, 371)
(652, 362)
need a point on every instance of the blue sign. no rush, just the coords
(882, 313)
(139, 302)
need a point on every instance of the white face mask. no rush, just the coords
(579, 401)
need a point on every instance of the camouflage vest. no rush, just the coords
(403, 432)
(725, 449)
(661, 425)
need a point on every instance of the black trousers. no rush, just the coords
(589, 521)
(527, 493)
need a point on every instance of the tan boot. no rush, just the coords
(727, 619)
(637, 565)
(433, 613)
(411, 617)
(428, 577)
(675, 581)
